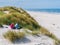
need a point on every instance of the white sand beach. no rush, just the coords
(49, 21)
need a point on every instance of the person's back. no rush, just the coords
(12, 25)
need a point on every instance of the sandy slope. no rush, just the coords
(49, 21)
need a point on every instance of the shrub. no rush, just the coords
(12, 35)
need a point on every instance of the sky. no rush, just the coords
(33, 4)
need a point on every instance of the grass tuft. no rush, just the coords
(12, 35)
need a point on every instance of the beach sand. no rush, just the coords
(50, 21)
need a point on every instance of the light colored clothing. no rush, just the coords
(16, 26)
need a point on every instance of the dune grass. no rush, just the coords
(18, 15)
(1, 13)
(13, 35)
(35, 32)
(49, 34)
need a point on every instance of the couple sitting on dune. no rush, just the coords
(16, 26)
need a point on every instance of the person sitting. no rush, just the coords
(12, 26)
(16, 25)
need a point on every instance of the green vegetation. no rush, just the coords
(2, 13)
(13, 35)
(18, 15)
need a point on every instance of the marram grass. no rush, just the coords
(13, 35)
(18, 15)
(49, 34)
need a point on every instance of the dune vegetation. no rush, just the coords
(18, 15)
(13, 35)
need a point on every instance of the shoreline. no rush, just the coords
(54, 13)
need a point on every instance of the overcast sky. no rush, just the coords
(31, 3)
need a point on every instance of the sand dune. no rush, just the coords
(49, 21)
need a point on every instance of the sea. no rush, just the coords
(45, 10)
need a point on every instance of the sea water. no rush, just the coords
(45, 10)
